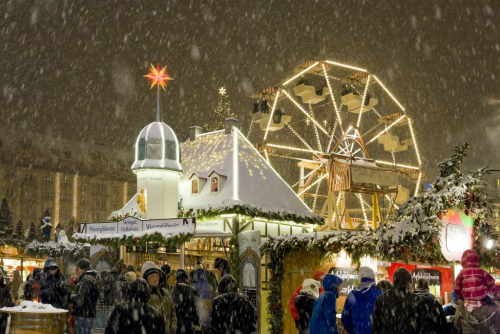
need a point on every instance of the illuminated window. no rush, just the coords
(170, 150)
(194, 186)
(215, 185)
(153, 150)
(142, 149)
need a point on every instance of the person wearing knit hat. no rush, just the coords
(304, 303)
(85, 299)
(130, 268)
(324, 313)
(187, 302)
(318, 276)
(358, 307)
(397, 310)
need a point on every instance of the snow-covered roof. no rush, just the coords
(250, 182)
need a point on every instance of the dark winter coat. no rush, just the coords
(396, 312)
(324, 318)
(358, 307)
(186, 301)
(304, 304)
(85, 299)
(136, 317)
(111, 287)
(5, 297)
(432, 318)
(28, 288)
(53, 288)
(232, 312)
(484, 320)
(200, 281)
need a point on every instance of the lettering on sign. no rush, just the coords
(349, 277)
(431, 275)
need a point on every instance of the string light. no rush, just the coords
(395, 164)
(318, 142)
(250, 128)
(300, 138)
(290, 148)
(305, 177)
(417, 188)
(386, 129)
(363, 208)
(414, 141)
(313, 184)
(388, 92)
(267, 156)
(346, 66)
(271, 115)
(332, 136)
(299, 74)
(305, 112)
(363, 101)
(333, 99)
(316, 196)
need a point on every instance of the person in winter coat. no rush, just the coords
(16, 282)
(222, 266)
(187, 303)
(160, 297)
(199, 279)
(111, 285)
(232, 312)
(358, 307)
(432, 318)
(35, 277)
(323, 320)
(129, 278)
(483, 320)
(318, 276)
(473, 284)
(304, 303)
(85, 300)
(5, 300)
(136, 316)
(53, 287)
(20, 291)
(384, 285)
(397, 311)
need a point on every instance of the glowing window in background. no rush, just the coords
(215, 184)
(194, 186)
(142, 149)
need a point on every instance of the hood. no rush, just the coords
(139, 291)
(149, 267)
(365, 285)
(50, 262)
(36, 273)
(227, 284)
(401, 277)
(424, 294)
(330, 281)
(199, 275)
(384, 285)
(90, 272)
(310, 286)
(470, 259)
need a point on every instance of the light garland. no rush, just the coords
(290, 148)
(388, 92)
(318, 142)
(339, 119)
(332, 136)
(363, 101)
(397, 165)
(305, 112)
(299, 74)
(316, 196)
(346, 66)
(250, 128)
(363, 208)
(305, 177)
(271, 115)
(386, 129)
(313, 184)
(417, 188)
(414, 141)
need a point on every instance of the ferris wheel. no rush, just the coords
(342, 140)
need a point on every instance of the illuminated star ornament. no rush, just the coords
(222, 91)
(158, 77)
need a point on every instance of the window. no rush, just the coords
(82, 215)
(65, 198)
(82, 199)
(10, 175)
(101, 202)
(65, 214)
(115, 190)
(102, 187)
(194, 186)
(116, 205)
(82, 185)
(47, 195)
(65, 182)
(101, 216)
(47, 180)
(215, 184)
(55, 151)
(153, 150)
(170, 150)
(49, 210)
(31, 208)
(67, 154)
(10, 192)
(131, 191)
(27, 144)
(142, 149)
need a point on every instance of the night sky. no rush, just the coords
(74, 69)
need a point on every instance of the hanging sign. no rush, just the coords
(139, 249)
(456, 234)
(129, 224)
(129, 249)
(431, 275)
(152, 248)
(349, 278)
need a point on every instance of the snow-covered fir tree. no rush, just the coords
(222, 111)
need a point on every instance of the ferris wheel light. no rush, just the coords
(346, 66)
(299, 74)
(316, 196)
(305, 113)
(363, 208)
(414, 141)
(333, 99)
(363, 101)
(395, 164)
(272, 112)
(267, 156)
(313, 184)
(385, 130)
(290, 148)
(388, 92)
(300, 137)
(318, 141)
(417, 187)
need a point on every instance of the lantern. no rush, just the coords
(35, 294)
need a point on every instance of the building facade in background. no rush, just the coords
(67, 178)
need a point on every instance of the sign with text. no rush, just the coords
(349, 277)
(98, 228)
(129, 224)
(431, 275)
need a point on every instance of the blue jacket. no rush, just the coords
(324, 315)
(358, 307)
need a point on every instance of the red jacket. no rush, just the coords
(293, 309)
(472, 283)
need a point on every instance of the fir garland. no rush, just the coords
(128, 240)
(72, 251)
(234, 257)
(252, 212)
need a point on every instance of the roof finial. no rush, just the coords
(159, 78)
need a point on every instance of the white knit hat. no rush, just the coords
(312, 286)
(366, 272)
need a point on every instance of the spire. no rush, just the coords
(158, 116)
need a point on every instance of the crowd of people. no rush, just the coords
(396, 308)
(136, 302)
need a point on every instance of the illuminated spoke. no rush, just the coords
(271, 115)
(417, 188)
(300, 138)
(330, 141)
(386, 129)
(395, 164)
(414, 141)
(315, 130)
(346, 66)
(250, 128)
(363, 102)
(363, 208)
(337, 112)
(297, 149)
(299, 74)
(316, 196)
(307, 176)
(388, 92)
(305, 112)
(313, 184)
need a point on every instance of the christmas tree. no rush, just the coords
(222, 111)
